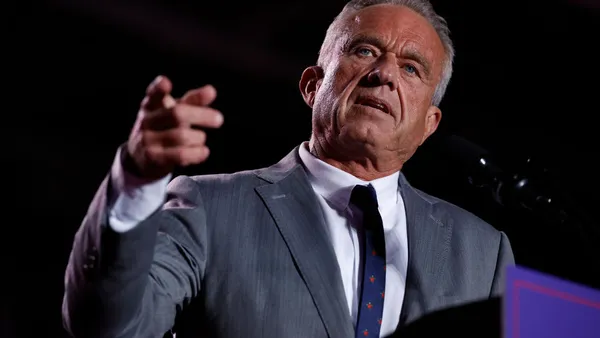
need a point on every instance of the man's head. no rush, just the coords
(383, 69)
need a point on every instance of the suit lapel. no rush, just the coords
(428, 247)
(295, 209)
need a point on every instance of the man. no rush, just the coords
(331, 241)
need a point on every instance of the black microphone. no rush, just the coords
(515, 190)
(483, 171)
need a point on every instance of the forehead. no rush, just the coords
(398, 26)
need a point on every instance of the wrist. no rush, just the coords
(128, 163)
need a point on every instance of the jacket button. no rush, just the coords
(90, 260)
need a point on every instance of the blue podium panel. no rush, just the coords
(538, 305)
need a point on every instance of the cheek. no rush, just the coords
(323, 97)
(342, 73)
(323, 107)
(415, 100)
(415, 106)
(332, 90)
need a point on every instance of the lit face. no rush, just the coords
(373, 96)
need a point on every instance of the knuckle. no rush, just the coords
(182, 157)
(178, 113)
(146, 137)
(145, 120)
(144, 123)
(152, 154)
(180, 136)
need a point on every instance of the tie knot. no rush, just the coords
(364, 197)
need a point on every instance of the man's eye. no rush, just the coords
(364, 52)
(410, 68)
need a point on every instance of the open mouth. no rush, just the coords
(374, 102)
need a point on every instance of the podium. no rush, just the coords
(540, 305)
(535, 305)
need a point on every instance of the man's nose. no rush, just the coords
(385, 73)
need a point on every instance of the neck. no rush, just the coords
(366, 168)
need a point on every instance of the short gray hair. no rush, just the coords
(423, 8)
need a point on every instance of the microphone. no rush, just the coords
(508, 189)
(516, 191)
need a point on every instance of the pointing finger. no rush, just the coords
(184, 115)
(202, 96)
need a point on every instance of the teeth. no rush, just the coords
(373, 104)
(376, 105)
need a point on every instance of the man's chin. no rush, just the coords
(363, 141)
(368, 132)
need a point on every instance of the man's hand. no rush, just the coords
(168, 133)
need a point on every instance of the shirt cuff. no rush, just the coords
(133, 199)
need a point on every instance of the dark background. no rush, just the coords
(525, 84)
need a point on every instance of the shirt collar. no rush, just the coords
(335, 185)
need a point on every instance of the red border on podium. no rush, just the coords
(519, 284)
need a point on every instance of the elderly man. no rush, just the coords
(332, 241)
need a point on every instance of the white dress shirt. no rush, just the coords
(134, 200)
(334, 187)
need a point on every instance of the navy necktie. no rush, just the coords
(370, 310)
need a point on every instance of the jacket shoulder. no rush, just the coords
(463, 221)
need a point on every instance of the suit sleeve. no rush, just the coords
(505, 259)
(132, 199)
(133, 283)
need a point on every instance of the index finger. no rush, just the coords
(202, 96)
(184, 115)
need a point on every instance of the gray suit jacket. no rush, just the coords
(247, 255)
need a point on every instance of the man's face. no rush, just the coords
(377, 85)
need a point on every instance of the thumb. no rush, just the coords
(156, 93)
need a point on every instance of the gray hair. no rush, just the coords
(423, 8)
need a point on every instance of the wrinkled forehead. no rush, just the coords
(397, 26)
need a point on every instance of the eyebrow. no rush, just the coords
(366, 39)
(414, 55)
(409, 53)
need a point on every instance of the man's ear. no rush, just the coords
(310, 83)
(432, 121)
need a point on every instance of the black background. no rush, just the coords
(525, 84)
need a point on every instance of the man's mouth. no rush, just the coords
(374, 102)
